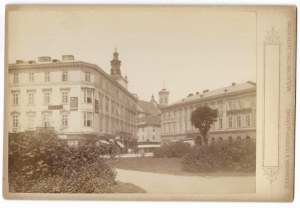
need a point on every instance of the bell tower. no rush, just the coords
(163, 96)
(115, 64)
(115, 70)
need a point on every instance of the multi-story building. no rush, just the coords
(236, 105)
(75, 98)
(148, 126)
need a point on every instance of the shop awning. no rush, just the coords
(140, 146)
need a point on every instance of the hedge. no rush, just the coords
(235, 156)
(172, 149)
(41, 163)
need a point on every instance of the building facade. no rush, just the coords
(148, 125)
(236, 105)
(75, 98)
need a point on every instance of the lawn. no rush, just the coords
(121, 187)
(164, 165)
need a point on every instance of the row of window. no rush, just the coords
(87, 77)
(233, 121)
(238, 121)
(111, 124)
(230, 139)
(47, 77)
(232, 104)
(46, 118)
(116, 109)
(110, 105)
(240, 103)
(46, 97)
(88, 99)
(88, 118)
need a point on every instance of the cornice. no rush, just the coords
(247, 92)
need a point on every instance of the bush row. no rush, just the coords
(172, 149)
(41, 163)
(235, 156)
(223, 156)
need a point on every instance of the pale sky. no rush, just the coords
(189, 50)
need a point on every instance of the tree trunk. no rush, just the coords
(205, 140)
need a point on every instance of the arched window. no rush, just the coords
(220, 140)
(248, 139)
(230, 140)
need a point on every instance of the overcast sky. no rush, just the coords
(189, 50)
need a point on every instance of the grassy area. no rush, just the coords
(164, 165)
(121, 187)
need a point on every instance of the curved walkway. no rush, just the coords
(158, 183)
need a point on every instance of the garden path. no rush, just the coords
(158, 183)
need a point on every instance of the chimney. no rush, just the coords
(44, 59)
(31, 62)
(55, 60)
(204, 91)
(233, 84)
(197, 93)
(191, 94)
(250, 82)
(19, 61)
(67, 58)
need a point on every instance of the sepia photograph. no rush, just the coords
(149, 102)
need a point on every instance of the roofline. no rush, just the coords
(67, 63)
(252, 89)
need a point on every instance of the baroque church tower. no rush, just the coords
(115, 71)
(163, 97)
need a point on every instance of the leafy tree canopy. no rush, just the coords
(202, 118)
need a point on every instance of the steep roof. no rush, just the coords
(206, 94)
(153, 120)
(148, 108)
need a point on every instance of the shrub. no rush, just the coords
(236, 156)
(41, 163)
(172, 149)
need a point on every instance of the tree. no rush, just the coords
(202, 118)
